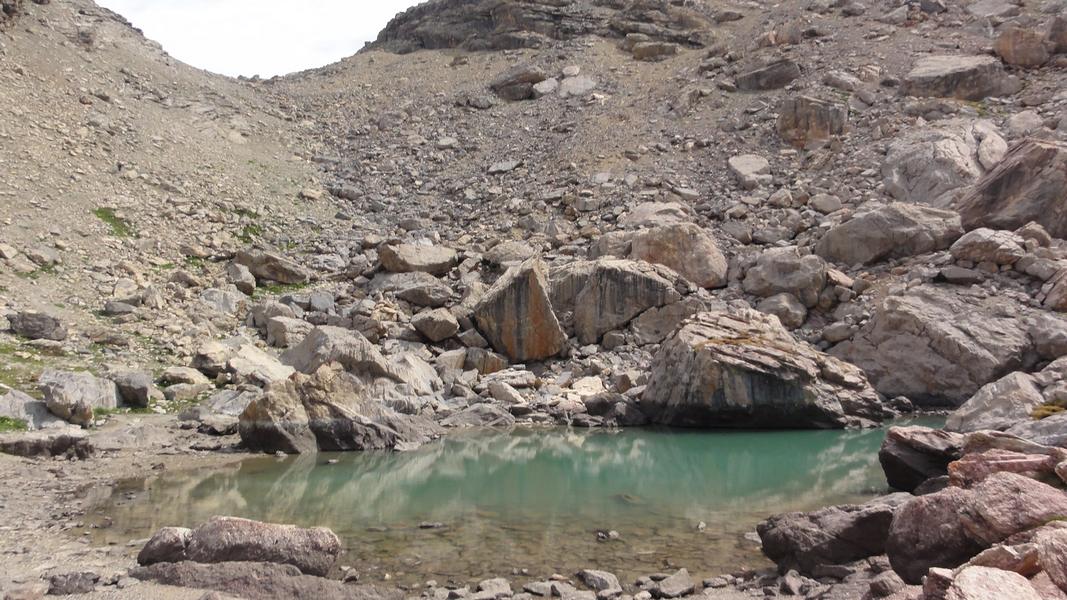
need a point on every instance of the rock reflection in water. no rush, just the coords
(528, 499)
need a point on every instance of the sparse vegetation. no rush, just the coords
(277, 289)
(120, 227)
(250, 232)
(7, 424)
(1046, 410)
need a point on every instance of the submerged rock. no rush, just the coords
(741, 368)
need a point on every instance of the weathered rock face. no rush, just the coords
(802, 119)
(73, 396)
(1021, 46)
(912, 455)
(782, 270)
(963, 77)
(685, 248)
(947, 528)
(998, 405)
(230, 539)
(499, 25)
(38, 326)
(407, 258)
(516, 315)
(267, 266)
(595, 297)
(1030, 184)
(927, 532)
(895, 230)
(829, 536)
(937, 346)
(928, 165)
(330, 410)
(741, 368)
(974, 583)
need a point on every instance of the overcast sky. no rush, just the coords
(259, 37)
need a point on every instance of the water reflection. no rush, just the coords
(528, 499)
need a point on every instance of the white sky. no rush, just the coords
(259, 37)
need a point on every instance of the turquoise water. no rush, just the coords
(502, 502)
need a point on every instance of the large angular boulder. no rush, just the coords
(277, 421)
(231, 539)
(685, 248)
(408, 258)
(783, 270)
(268, 266)
(894, 230)
(516, 314)
(829, 536)
(911, 455)
(595, 297)
(927, 532)
(803, 119)
(1030, 184)
(740, 368)
(998, 405)
(72, 396)
(38, 326)
(938, 344)
(329, 410)
(953, 76)
(327, 344)
(928, 165)
(947, 528)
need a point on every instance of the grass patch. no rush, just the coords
(277, 289)
(1046, 410)
(7, 425)
(36, 274)
(194, 262)
(250, 232)
(120, 227)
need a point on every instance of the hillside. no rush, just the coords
(589, 214)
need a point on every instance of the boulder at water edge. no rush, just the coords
(829, 536)
(740, 368)
(947, 528)
(230, 539)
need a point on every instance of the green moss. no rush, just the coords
(7, 424)
(120, 227)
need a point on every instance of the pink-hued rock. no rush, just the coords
(975, 467)
(1006, 503)
(1051, 544)
(981, 583)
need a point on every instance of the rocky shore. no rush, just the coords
(543, 213)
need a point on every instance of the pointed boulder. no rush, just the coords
(516, 316)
